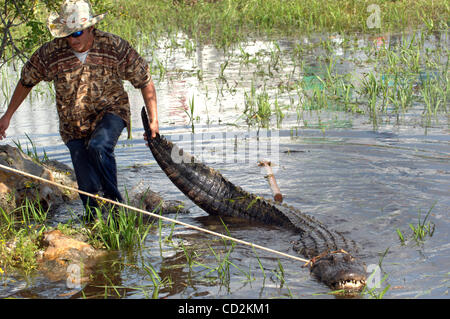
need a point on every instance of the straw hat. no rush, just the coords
(74, 15)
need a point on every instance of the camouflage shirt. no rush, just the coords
(86, 91)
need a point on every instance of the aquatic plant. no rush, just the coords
(435, 92)
(158, 282)
(424, 228)
(118, 228)
(257, 109)
(376, 292)
(20, 233)
(190, 114)
(33, 153)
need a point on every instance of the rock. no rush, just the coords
(14, 188)
(67, 258)
(153, 202)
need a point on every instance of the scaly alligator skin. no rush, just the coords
(331, 253)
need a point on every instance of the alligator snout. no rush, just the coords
(340, 271)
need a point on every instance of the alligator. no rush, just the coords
(332, 257)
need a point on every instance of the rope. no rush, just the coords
(155, 215)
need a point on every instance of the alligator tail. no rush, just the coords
(206, 187)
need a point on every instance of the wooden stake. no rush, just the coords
(272, 182)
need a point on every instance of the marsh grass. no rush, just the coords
(33, 153)
(280, 275)
(230, 21)
(435, 91)
(420, 231)
(222, 266)
(121, 230)
(190, 114)
(158, 282)
(258, 108)
(118, 228)
(423, 228)
(223, 270)
(401, 78)
(20, 234)
(376, 292)
(390, 89)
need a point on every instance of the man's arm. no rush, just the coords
(20, 93)
(149, 95)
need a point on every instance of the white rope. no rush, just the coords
(154, 215)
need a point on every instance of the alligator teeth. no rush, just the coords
(350, 284)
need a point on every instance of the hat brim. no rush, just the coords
(61, 30)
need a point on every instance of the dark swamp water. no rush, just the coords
(359, 177)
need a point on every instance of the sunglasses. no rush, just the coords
(76, 34)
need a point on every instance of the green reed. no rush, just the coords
(421, 230)
(257, 109)
(23, 227)
(118, 228)
(190, 114)
(158, 282)
(33, 153)
(375, 292)
(435, 91)
(393, 87)
(145, 23)
(227, 22)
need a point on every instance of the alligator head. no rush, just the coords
(340, 271)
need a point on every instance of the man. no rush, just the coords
(87, 67)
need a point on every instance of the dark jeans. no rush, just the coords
(94, 161)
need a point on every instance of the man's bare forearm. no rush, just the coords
(149, 95)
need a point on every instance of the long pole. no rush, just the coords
(306, 261)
